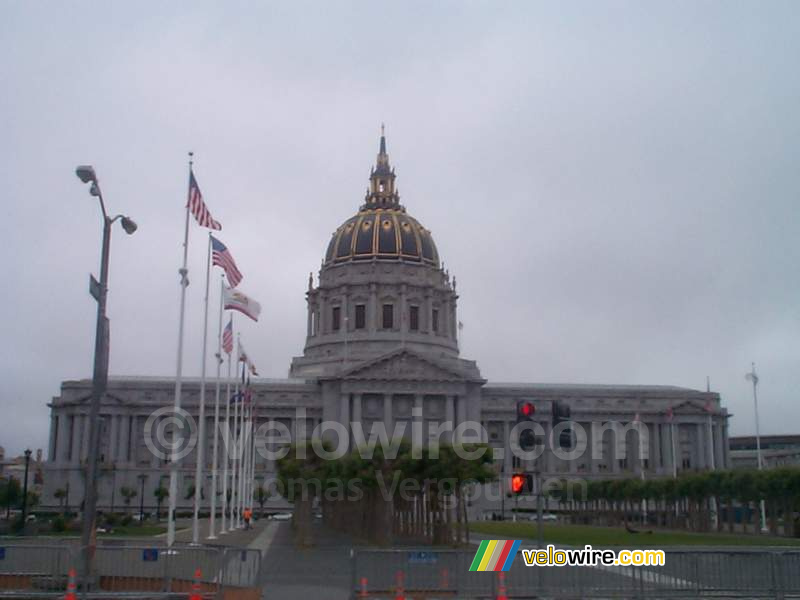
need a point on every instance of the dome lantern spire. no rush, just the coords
(382, 192)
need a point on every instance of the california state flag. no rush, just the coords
(236, 300)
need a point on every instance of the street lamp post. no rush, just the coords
(142, 477)
(99, 291)
(25, 489)
(751, 376)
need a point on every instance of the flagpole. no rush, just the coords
(201, 428)
(242, 438)
(233, 524)
(252, 453)
(246, 456)
(225, 503)
(173, 466)
(674, 451)
(213, 515)
(253, 415)
(714, 516)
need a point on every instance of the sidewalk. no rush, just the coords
(238, 538)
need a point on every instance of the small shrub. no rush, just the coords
(126, 520)
(59, 524)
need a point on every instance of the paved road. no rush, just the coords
(319, 572)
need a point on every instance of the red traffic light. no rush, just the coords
(526, 409)
(517, 483)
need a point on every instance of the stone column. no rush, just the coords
(344, 415)
(615, 458)
(113, 438)
(51, 446)
(418, 408)
(403, 317)
(656, 460)
(63, 440)
(507, 456)
(357, 412)
(453, 318)
(310, 312)
(449, 415)
(345, 317)
(388, 415)
(85, 438)
(323, 314)
(725, 445)
(124, 439)
(133, 440)
(548, 458)
(700, 445)
(428, 312)
(372, 308)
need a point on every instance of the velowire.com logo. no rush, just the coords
(495, 555)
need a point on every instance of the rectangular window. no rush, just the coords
(336, 321)
(413, 318)
(435, 321)
(388, 316)
(361, 316)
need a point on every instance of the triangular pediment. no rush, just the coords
(689, 407)
(405, 365)
(87, 400)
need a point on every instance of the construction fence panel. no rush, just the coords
(430, 573)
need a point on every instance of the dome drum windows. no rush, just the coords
(387, 316)
(413, 318)
(361, 316)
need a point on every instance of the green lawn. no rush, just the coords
(135, 531)
(580, 535)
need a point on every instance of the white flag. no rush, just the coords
(236, 300)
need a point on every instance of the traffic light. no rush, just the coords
(521, 483)
(562, 414)
(527, 438)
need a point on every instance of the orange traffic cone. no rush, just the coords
(196, 594)
(501, 586)
(444, 583)
(362, 593)
(71, 586)
(399, 587)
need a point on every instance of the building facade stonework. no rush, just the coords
(382, 347)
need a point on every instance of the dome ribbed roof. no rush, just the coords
(383, 234)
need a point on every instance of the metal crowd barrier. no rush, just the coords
(437, 574)
(39, 571)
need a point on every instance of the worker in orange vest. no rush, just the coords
(248, 514)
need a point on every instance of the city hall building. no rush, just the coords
(381, 341)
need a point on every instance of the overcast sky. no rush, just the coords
(614, 184)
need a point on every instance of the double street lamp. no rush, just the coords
(98, 290)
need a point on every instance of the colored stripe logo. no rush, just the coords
(495, 555)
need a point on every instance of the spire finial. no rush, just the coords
(383, 129)
(383, 140)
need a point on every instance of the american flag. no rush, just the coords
(670, 414)
(227, 337)
(220, 257)
(198, 207)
